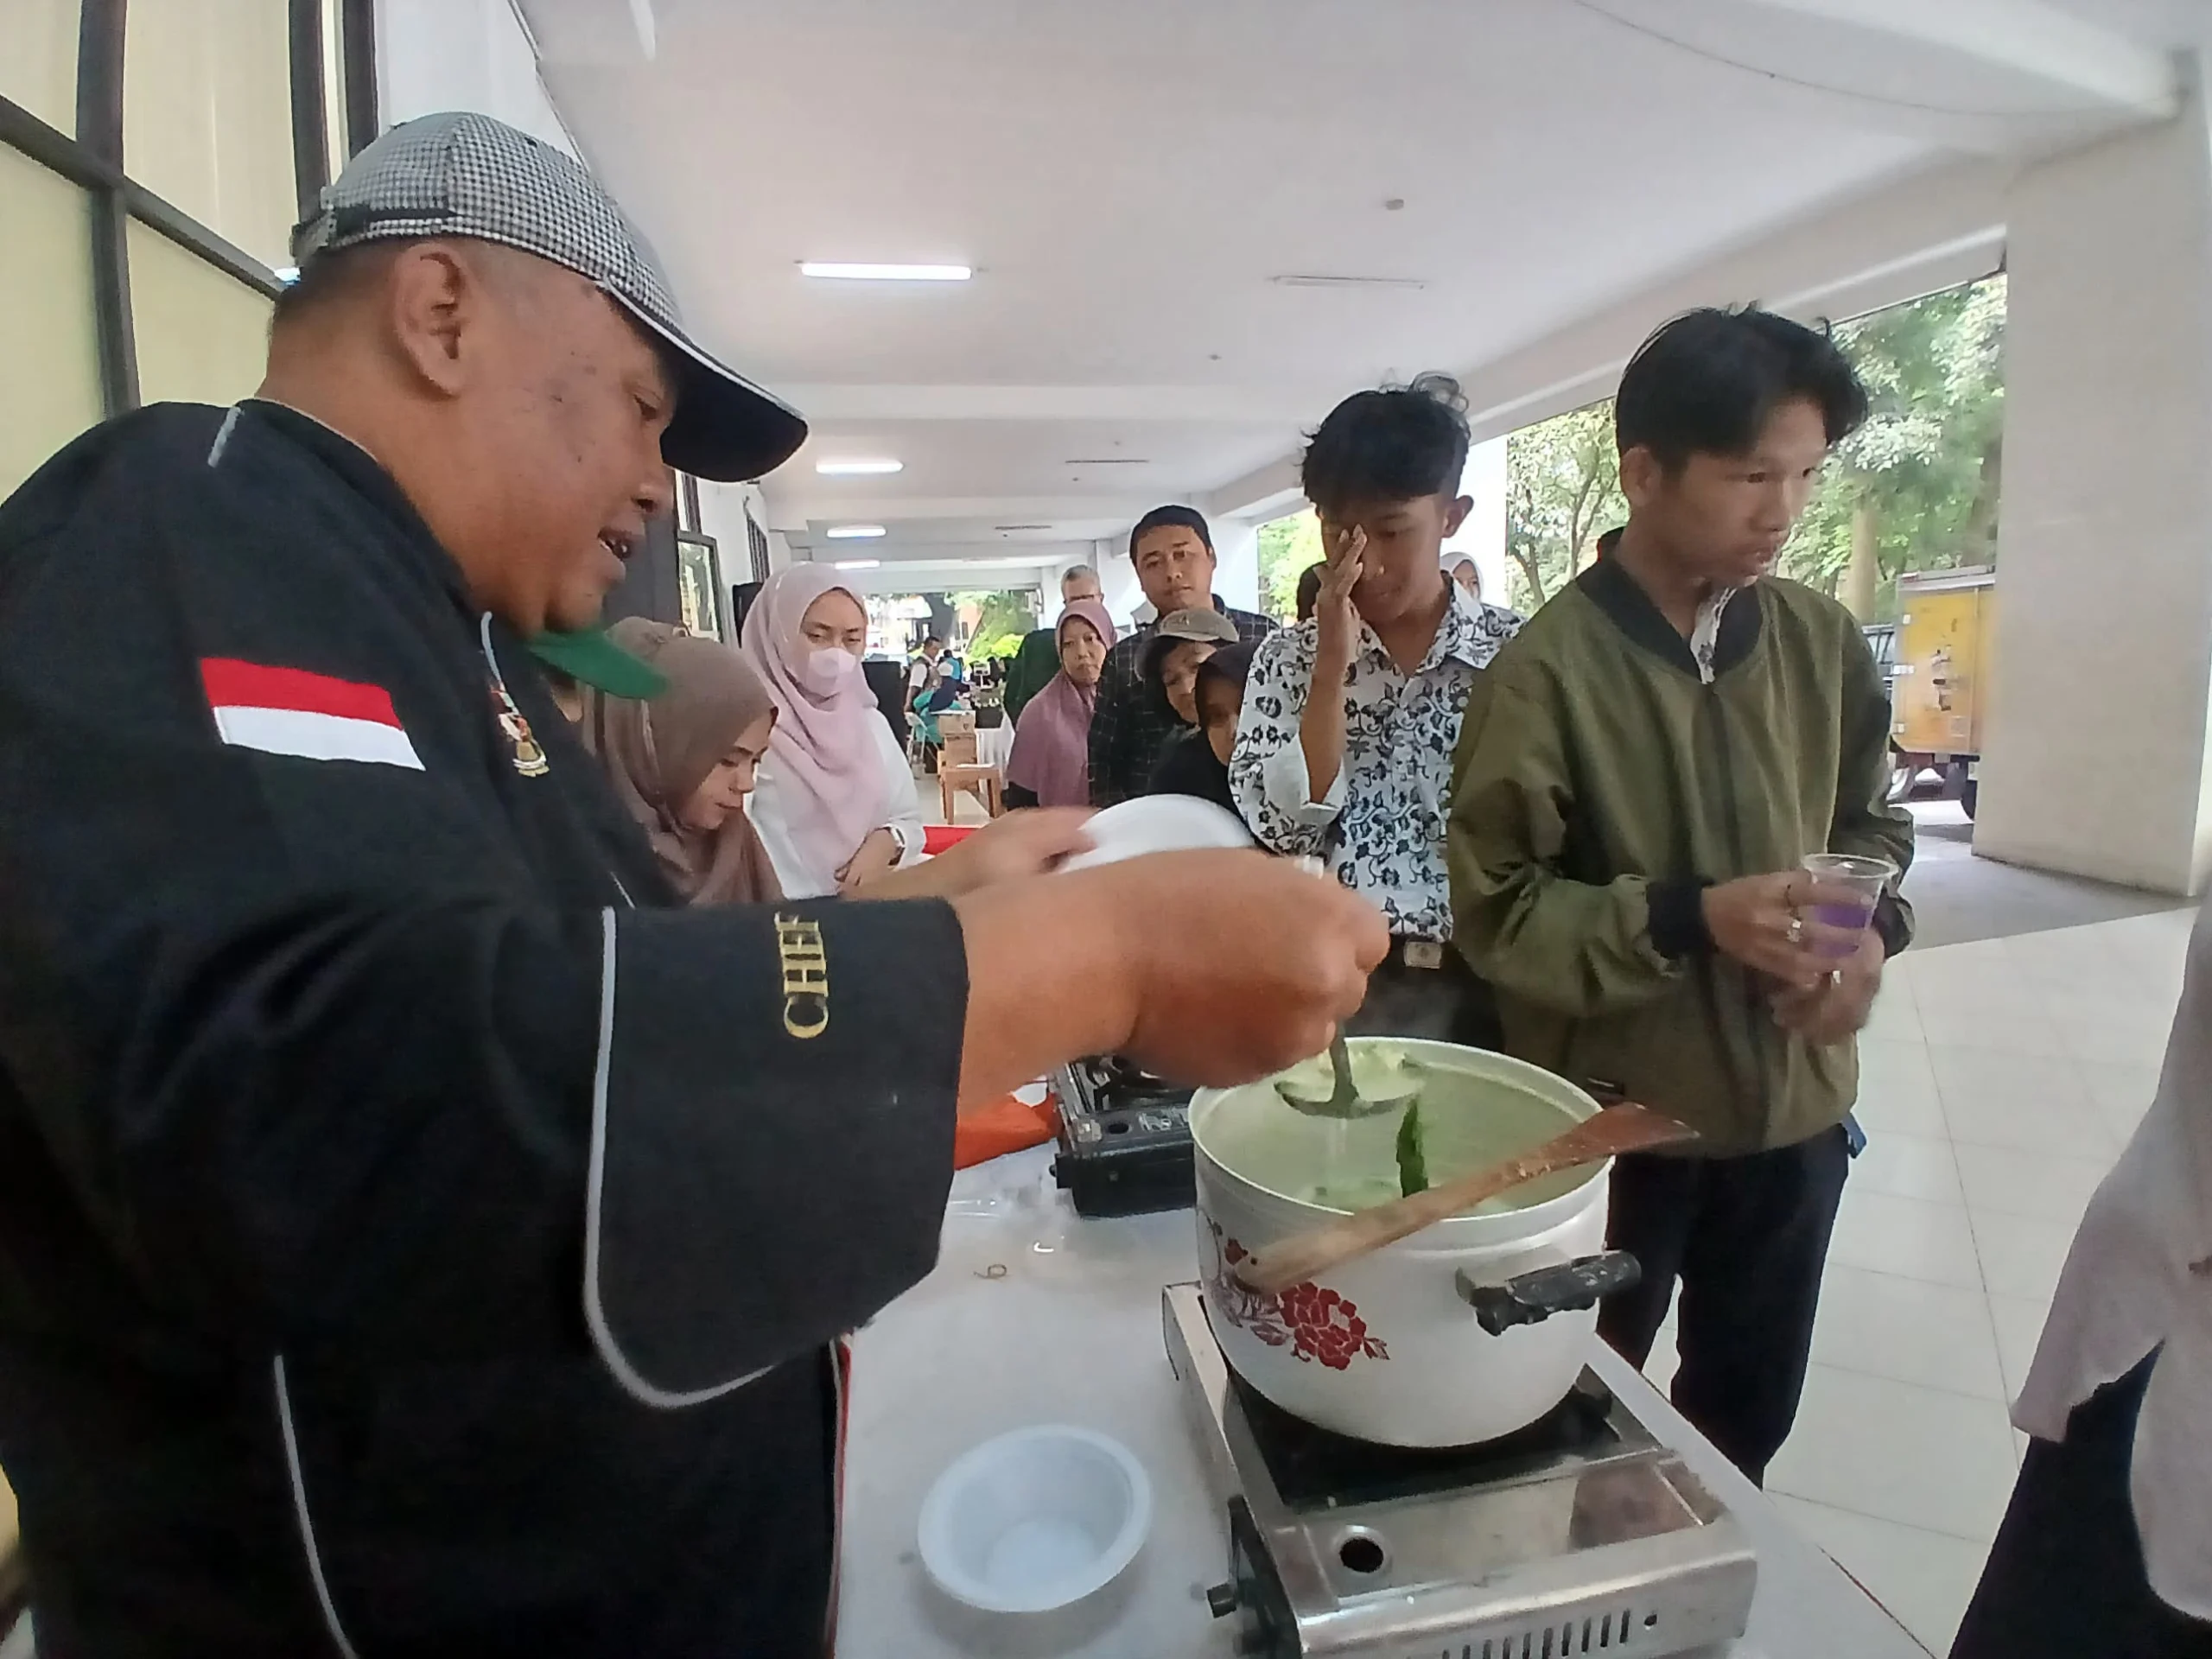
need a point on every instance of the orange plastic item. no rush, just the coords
(1003, 1125)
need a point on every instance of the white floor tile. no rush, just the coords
(1897, 1087)
(1906, 1237)
(2019, 1321)
(2017, 1033)
(1895, 1017)
(2012, 1182)
(1908, 1166)
(2020, 1255)
(1939, 1336)
(2032, 1102)
(2117, 1034)
(2122, 1093)
(1924, 1579)
(1926, 1456)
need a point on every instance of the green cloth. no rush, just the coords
(1599, 785)
(589, 657)
(1030, 671)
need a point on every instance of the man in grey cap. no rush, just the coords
(417, 1233)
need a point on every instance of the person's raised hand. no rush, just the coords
(1842, 1002)
(1336, 619)
(1006, 850)
(1241, 964)
(1766, 922)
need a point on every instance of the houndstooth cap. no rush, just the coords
(467, 175)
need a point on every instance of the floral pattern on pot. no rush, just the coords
(1317, 1322)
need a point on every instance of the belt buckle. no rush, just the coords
(1425, 954)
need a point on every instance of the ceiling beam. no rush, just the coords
(789, 509)
(2029, 37)
(1238, 405)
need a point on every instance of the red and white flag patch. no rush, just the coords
(291, 711)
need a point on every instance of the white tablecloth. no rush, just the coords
(993, 744)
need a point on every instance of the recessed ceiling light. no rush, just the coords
(855, 532)
(859, 564)
(858, 468)
(1412, 284)
(839, 270)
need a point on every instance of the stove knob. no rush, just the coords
(1222, 1599)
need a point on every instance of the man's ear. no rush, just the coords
(1642, 475)
(434, 302)
(1456, 515)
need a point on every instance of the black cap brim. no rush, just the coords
(726, 429)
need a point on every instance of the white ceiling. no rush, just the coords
(1128, 178)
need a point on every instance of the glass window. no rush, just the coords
(49, 353)
(203, 336)
(38, 59)
(208, 116)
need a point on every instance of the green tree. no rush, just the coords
(1286, 547)
(1562, 491)
(1001, 619)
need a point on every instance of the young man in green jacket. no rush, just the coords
(1639, 774)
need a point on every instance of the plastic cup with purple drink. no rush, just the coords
(1850, 888)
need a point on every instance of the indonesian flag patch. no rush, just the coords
(291, 711)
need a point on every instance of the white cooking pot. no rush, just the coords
(1394, 1347)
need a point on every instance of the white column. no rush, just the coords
(1236, 563)
(2095, 750)
(1482, 536)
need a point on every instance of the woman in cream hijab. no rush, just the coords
(684, 763)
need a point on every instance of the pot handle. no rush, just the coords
(1532, 1298)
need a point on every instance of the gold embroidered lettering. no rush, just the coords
(805, 964)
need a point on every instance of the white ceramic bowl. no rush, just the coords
(1035, 1519)
(1159, 824)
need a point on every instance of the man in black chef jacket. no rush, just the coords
(417, 1236)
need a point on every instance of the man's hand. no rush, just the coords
(876, 857)
(1336, 619)
(1005, 849)
(1243, 965)
(1211, 968)
(1841, 1005)
(1766, 922)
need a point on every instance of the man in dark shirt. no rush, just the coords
(419, 1233)
(1132, 724)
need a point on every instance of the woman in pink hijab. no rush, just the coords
(835, 804)
(1050, 762)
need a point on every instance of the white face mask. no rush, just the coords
(827, 670)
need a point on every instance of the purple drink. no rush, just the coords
(1854, 918)
(1849, 889)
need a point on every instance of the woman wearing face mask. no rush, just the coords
(684, 762)
(835, 804)
(1050, 764)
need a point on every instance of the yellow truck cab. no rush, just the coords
(1939, 692)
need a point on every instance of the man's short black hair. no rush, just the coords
(1309, 589)
(1397, 444)
(1170, 517)
(1230, 666)
(1707, 382)
(1609, 540)
(929, 639)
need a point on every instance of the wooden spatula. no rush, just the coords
(1625, 1127)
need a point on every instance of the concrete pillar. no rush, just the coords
(1482, 536)
(1236, 570)
(2094, 755)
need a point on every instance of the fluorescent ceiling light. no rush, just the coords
(843, 271)
(859, 564)
(1409, 284)
(858, 468)
(855, 532)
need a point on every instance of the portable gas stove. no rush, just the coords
(1581, 1534)
(1125, 1139)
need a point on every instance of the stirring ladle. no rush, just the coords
(1345, 1100)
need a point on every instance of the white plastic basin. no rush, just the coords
(1035, 1519)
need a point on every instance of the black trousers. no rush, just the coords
(1447, 1003)
(2065, 1576)
(1747, 1238)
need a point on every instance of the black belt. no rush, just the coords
(1427, 955)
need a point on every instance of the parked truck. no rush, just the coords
(1941, 689)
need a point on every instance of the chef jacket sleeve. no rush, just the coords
(328, 1065)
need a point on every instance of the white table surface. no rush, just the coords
(1071, 1333)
